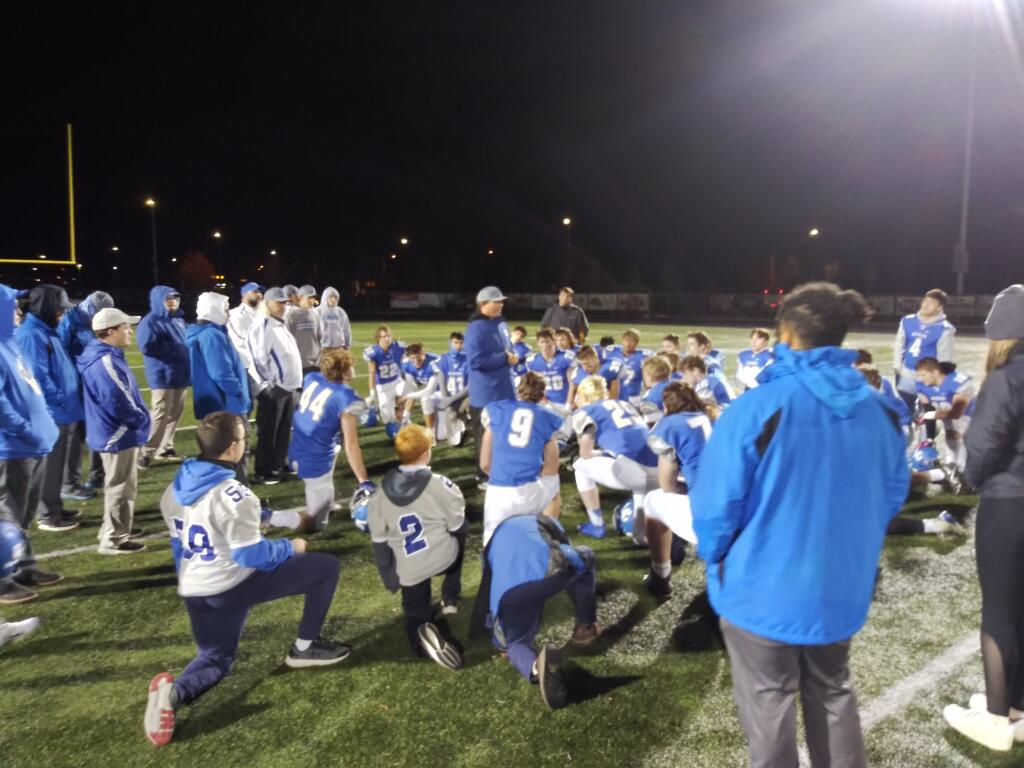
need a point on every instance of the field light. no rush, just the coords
(814, 232)
(216, 234)
(394, 256)
(567, 221)
(404, 241)
(42, 255)
(114, 248)
(150, 202)
(272, 253)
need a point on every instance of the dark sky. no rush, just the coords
(689, 141)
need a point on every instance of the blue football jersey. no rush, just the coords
(631, 377)
(751, 363)
(423, 374)
(389, 361)
(610, 370)
(520, 431)
(921, 339)
(618, 429)
(714, 361)
(712, 389)
(654, 395)
(556, 375)
(603, 353)
(941, 396)
(683, 435)
(454, 368)
(317, 423)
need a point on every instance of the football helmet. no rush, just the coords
(924, 457)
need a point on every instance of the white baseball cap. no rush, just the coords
(111, 318)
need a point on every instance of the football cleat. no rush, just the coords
(624, 518)
(549, 675)
(11, 630)
(659, 587)
(392, 429)
(591, 530)
(159, 717)
(321, 653)
(439, 650)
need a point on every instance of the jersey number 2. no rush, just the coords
(412, 527)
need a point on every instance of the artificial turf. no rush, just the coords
(73, 693)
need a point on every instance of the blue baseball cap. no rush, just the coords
(252, 287)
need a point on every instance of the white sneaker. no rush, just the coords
(978, 725)
(159, 718)
(979, 701)
(9, 630)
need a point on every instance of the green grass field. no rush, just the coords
(73, 693)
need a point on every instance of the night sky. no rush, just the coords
(690, 142)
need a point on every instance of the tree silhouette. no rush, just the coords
(196, 272)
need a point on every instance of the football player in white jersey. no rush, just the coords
(225, 567)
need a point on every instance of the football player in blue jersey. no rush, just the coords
(553, 366)
(670, 343)
(754, 360)
(520, 454)
(588, 363)
(605, 346)
(384, 361)
(521, 348)
(632, 359)
(949, 398)
(450, 371)
(657, 373)
(678, 440)
(328, 406)
(927, 333)
(566, 342)
(711, 389)
(418, 371)
(673, 364)
(613, 452)
(699, 343)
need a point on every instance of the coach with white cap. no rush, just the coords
(116, 424)
(490, 357)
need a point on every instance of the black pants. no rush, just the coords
(477, 426)
(21, 483)
(417, 603)
(273, 429)
(999, 543)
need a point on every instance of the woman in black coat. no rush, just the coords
(995, 466)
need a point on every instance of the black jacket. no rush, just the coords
(995, 439)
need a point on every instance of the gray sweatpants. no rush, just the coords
(168, 405)
(766, 678)
(51, 508)
(119, 488)
(21, 481)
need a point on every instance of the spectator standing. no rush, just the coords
(75, 332)
(240, 320)
(995, 465)
(161, 337)
(277, 368)
(565, 314)
(291, 298)
(927, 333)
(27, 433)
(490, 359)
(335, 329)
(117, 425)
(53, 370)
(778, 496)
(304, 324)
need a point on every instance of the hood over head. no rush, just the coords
(8, 301)
(196, 477)
(157, 295)
(45, 301)
(403, 488)
(329, 291)
(827, 372)
(94, 302)
(212, 307)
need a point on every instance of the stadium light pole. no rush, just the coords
(151, 204)
(567, 223)
(961, 258)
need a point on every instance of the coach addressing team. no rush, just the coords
(490, 357)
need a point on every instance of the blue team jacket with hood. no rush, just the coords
(26, 428)
(161, 337)
(116, 418)
(487, 344)
(804, 473)
(53, 369)
(75, 328)
(219, 380)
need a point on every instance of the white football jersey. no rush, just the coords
(226, 517)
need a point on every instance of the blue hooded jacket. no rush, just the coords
(53, 369)
(161, 337)
(193, 481)
(219, 380)
(75, 328)
(487, 344)
(26, 428)
(806, 471)
(116, 418)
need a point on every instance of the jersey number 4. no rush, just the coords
(196, 543)
(312, 402)
(412, 527)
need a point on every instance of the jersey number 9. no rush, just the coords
(520, 428)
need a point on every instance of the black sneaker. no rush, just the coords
(549, 674)
(71, 515)
(61, 525)
(437, 648)
(136, 533)
(449, 607)
(169, 455)
(93, 484)
(124, 548)
(12, 593)
(660, 587)
(144, 461)
(33, 577)
(270, 479)
(321, 653)
(77, 493)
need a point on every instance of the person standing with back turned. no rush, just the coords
(781, 461)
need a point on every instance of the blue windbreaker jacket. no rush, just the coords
(219, 380)
(52, 366)
(116, 418)
(26, 428)
(487, 342)
(800, 479)
(161, 337)
(75, 328)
